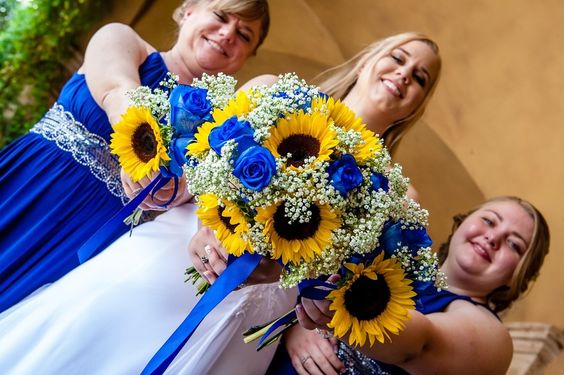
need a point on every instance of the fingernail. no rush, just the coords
(299, 308)
(207, 249)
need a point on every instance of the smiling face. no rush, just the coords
(487, 247)
(213, 41)
(395, 86)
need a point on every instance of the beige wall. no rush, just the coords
(496, 125)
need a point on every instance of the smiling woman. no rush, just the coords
(66, 182)
(492, 255)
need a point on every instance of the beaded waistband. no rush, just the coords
(86, 148)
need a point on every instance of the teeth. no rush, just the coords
(392, 86)
(216, 46)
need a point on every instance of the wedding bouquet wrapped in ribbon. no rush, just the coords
(288, 173)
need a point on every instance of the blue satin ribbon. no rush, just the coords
(310, 288)
(235, 274)
(113, 227)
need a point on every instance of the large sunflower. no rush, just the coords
(239, 106)
(227, 220)
(138, 143)
(296, 242)
(303, 136)
(374, 302)
(345, 118)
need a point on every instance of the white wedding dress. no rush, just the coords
(112, 314)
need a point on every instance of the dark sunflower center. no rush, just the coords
(225, 220)
(144, 142)
(301, 146)
(296, 230)
(367, 298)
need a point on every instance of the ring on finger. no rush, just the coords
(204, 259)
(323, 333)
(207, 249)
(304, 359)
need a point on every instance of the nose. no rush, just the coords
(492, 240)
(228, 31)
(404, 74)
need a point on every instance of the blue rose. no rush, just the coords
(345, 174)
(177, 153)
(379, 181)
(416, 238)
(255, 167)
(189, 109)
(240, 131)
(393, 237)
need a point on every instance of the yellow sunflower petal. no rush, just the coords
(138, 143)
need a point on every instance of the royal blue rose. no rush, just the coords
(255, 167)
(393, 237)
(345, 174)
(240, 131)
(415, 239)
(177, 153)
(189, 109)
(379, 181)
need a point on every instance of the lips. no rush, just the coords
(216, 46)
(393, 87)
(481, 251)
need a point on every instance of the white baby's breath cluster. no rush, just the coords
(363, 213)
(220, 88)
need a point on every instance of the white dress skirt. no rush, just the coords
(112, 314)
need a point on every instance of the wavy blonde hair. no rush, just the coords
(338, 81)
(248, 10)
(529, 266)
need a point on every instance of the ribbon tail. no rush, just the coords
(107, 232)
(233, 276)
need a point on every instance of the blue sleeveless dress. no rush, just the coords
(58, 185)
(430, 301)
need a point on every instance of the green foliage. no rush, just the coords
(36, 38)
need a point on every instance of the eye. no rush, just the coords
(487, 221)
(397, 58)
(243, 35)
(515, 246)
(420, 79)
(220, 16)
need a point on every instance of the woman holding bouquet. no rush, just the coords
(111, 314)
(75, 182)
(490, 258)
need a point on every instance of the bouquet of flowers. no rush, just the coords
(293, 175)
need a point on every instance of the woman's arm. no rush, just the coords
(111, 66)
(465, 339)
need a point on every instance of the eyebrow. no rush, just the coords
(501, 219)
(420, 67)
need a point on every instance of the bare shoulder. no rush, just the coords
(119, 34)
(265, 79)
(465, 339)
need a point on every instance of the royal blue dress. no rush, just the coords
(58, 185)
(430, 301)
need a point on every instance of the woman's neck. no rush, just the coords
(374, 119)
(462, 287)
(175, 65)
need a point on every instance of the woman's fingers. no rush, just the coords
(318, 311)
(310, 353)
(207, 254)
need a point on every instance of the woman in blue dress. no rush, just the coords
(59, 183)
(490, 258)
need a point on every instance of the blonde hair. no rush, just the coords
(529, 266)
(338, 81)
(248, 10)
